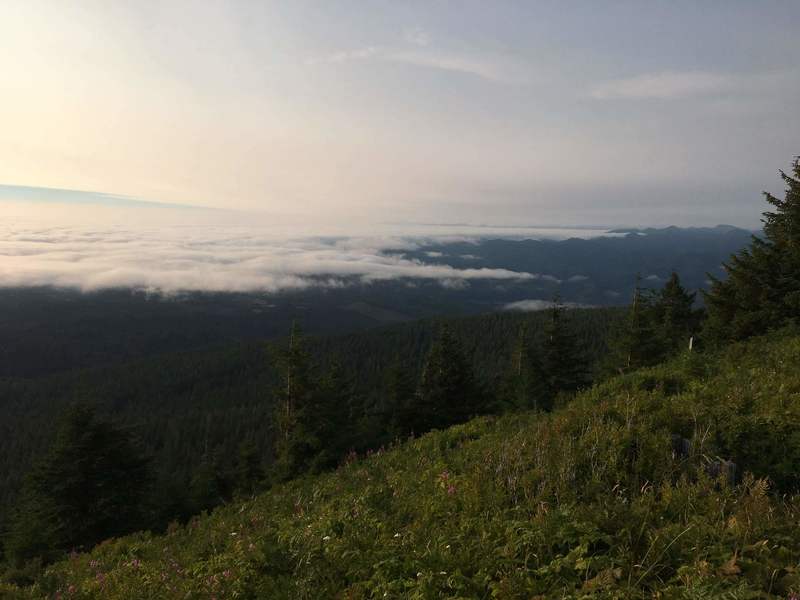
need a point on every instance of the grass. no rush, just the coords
(587, 502)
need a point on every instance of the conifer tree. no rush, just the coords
(674, 314)
(338, 420)
(399, 398)
(448, 392)
(248, 470)
(210, 485)
(90, 486)
(523, 386)
(762, 288)
(563, 366)
(296, 442)
(637, 342)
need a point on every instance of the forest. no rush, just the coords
(576, 453)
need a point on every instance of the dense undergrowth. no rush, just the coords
(589, 501)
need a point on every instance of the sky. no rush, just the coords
(530, 112)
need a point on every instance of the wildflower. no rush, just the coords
(326, 538)
(451, 489)
(397, 535)
(227, 573)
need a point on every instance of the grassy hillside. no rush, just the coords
(589, 501)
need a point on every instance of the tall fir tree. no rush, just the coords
(523, 385)
(762, 288)
(248, 469)
(637, 342)
(296, 442)
(210, 484)
(398, 403)
(448, 392)
(339, 417)
(674, 314)
(89, 487)
(563, 365)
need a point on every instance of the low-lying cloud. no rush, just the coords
(176, 259)
(536, 305)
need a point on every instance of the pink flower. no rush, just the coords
(451, 489)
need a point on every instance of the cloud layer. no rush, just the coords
(173, 259)
(536, 305)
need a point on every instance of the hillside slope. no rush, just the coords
(609, 497)
(180, 404)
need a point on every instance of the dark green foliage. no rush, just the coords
(248, 469)
(296, 424)
(523, 386)
(539, 372)
(188, 406)
(674, 314)
(398, 401)
(341, 422)
(563, 364)
(659, 325)
(448, 392)
(637, 342)
(210, 485)
(588, 501)
(88, 487)
(762, 288)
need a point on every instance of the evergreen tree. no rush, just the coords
(637, 342)
(448, 392)
(399, 398)
(248, 470)
(762, 289)
(523, 386)
(210, 485)
(296, 442)
(339, 417)
(563, 365)
(674, 314)
(90, 486)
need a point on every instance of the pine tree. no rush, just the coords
(399, 398)
(296, 442)
(248, 470)
(210, 485)
(762, 288)
(523, 387)
(448, 392)
(90, 486)
(674, 314)
(637, 342)
(563, 366)
(339, 415)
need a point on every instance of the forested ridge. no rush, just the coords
(657, 460)
(184, 407)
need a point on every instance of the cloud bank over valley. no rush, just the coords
(219, 259)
